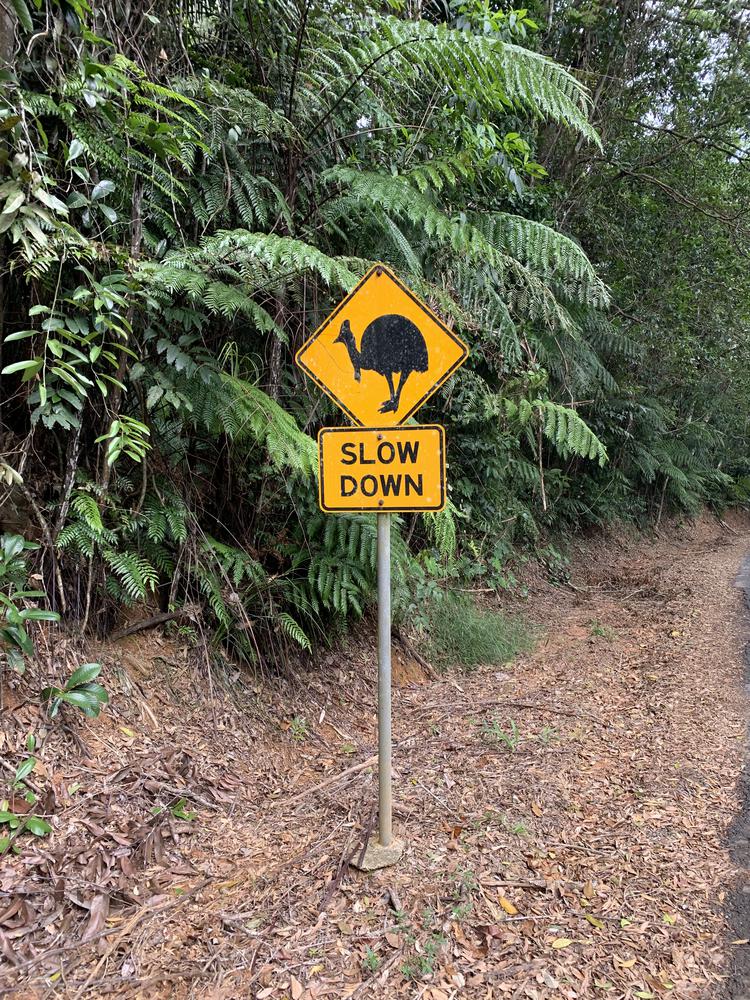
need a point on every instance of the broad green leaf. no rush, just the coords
(75, 150)
(20, 335)
(23, 15)
(13, 545)
(14, 202)
(102, 189)
(25, 769)
(89, 705)
(40, 615)
(38, 826)
(83, 675)
(96, 691)
(19, 366)
(50, 200)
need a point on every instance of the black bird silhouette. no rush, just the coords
(390, 345)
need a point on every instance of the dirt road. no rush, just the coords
(567, 817)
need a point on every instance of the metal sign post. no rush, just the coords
(385, 850)
(380, 339)
(385, 799)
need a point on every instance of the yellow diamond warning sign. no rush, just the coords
(382, 468)
(382, 352)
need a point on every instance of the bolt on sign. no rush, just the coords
(382, 468)
(382, 352)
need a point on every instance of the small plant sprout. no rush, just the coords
(467, 882)
(421, 965)
(602, 630)
(15, 641)
(180, 810)
(548, 735)
(519, 829)
(80, 691)
(371, 962)
(13, 824)
(298, 728)
(19, 780)
(493, 732)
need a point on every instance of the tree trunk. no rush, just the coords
(8, 24)
(274, 364)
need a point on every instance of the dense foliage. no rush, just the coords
(184, 196)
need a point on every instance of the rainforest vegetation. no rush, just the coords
(186, 190)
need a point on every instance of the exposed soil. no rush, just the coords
(594, 858)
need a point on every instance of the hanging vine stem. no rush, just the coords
(74, 450)
(541, 464)
(48, 539)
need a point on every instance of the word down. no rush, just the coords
(382, 468)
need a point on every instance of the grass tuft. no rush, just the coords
(461, 633)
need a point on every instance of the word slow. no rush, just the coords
(384, 453)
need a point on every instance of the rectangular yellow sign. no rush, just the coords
(381, 468)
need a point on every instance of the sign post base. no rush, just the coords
(377, 856)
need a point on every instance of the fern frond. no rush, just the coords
(294, 630)
(564, 428)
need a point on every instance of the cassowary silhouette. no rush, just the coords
(390, 344)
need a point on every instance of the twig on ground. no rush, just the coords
(330, 781)
(188, 793)
(408, 648)
(440, 802)
(152, 622)
(368, 831)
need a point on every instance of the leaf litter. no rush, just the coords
(590, 862)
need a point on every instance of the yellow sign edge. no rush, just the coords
(422, 305)
(383, 510)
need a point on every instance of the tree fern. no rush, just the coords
(561, 425)
(396, 196)
(442, 529)
(136, 575)
(549, 254)
(389, 53)
(245, 411)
